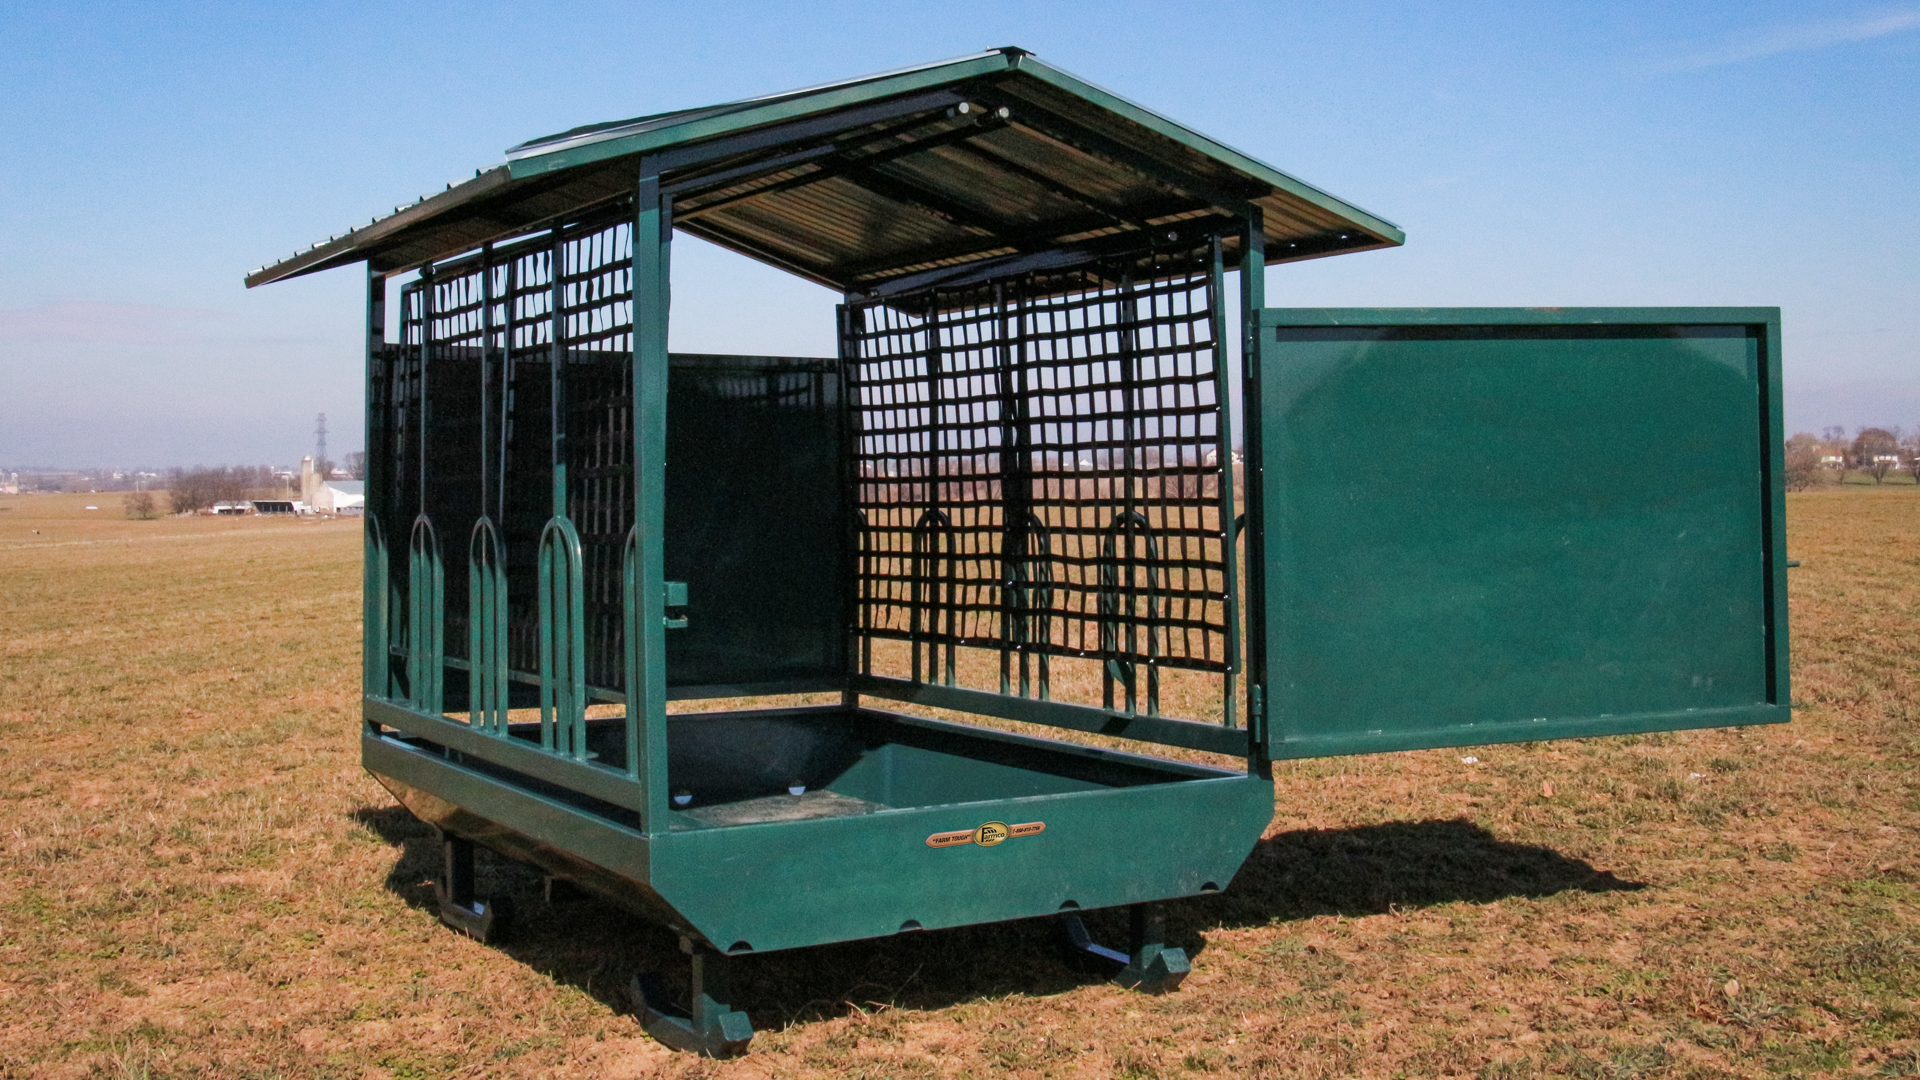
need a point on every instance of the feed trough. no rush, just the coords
(963, 586)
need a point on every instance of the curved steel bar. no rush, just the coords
(426, 619)
(487, 700)
(635, 645)
(863, 557)
(563, 661)
(1118, 606)
(376, 598)
(1028, 558)
(939, 592)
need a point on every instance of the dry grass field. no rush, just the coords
(199, 880)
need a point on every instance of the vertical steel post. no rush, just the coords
(563, 639)
(486, 569)
(426, 574)
(1013, 495)
(859, 645)
(506, 384)
(376, 588)
(557, 380)
(1043, 598)
(646, 599)
(1223, 396)
(420, 399)
(1253, 299)
(486, 374)
(1123, 561)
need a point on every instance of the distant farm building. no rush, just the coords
(340, 497)
(324, 495)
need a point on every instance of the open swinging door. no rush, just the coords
(1498, 525)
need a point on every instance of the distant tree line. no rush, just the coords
(1828, 458)
(191, 490)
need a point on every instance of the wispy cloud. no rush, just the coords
(1756, 44)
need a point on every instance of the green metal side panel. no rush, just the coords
(842, 879)
(1495, 525)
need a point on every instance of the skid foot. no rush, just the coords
(560, 890)
(714, 1028)
(483, 920)
(1149, 965)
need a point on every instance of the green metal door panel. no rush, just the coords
(1491, 526)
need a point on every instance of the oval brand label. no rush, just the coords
(993, 832)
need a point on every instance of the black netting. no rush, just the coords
(1038, 466)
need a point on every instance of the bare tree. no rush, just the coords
(1874, 451)
(1803, 462)
(140, 505)
(357, 465)
(187, 490)
(192, 490)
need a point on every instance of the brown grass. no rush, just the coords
(200, 881)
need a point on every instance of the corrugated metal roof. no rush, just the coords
(858, 183)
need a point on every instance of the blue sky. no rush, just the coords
(1536, 154)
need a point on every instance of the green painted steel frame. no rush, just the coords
(647, 597)
(1266, 484)
(639, 782)
(841, 878)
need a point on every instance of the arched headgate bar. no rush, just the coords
(1028, 555)
(488, 699)
(935, 603)
(563, 668)
(1068, 429)
(376, 600)
(426, 618)
(528, 374)
(1132, 609)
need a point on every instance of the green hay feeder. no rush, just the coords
(1016, 494)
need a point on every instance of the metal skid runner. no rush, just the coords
(1013, 503)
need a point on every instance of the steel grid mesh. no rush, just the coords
(1038, 468)
(477, 337)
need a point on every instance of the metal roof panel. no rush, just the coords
(864, 180)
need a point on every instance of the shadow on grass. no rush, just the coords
(1368, 869)
(596, 946)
